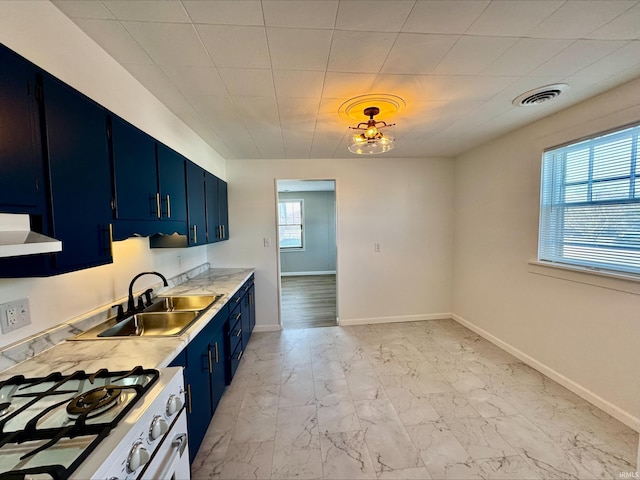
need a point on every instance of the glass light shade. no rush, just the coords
(382, 142)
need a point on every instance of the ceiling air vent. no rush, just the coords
(540, 95)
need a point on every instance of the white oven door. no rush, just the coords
(171, 460)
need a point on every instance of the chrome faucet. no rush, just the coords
(131, 307)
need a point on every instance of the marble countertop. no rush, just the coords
(126, 353)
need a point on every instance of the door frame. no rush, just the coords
(277, 244)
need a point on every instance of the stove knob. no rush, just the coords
(174, 404)
(159, 427)
(138, 456)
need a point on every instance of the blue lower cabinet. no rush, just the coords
(204, 377)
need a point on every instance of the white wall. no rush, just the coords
(403, 204)
(41, 33)
(585, 335)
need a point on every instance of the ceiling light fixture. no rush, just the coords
(369, 138)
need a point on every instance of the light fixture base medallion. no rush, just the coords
(387, 105)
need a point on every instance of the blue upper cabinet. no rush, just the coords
(196, 204)
(172, 187)
(134, 162)
(22, 187)
(80, 176)
(217, 209)
(149, 184)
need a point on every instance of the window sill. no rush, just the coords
(604, 279)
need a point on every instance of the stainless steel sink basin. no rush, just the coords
(166, 317)
(185, 303)
(157, 324)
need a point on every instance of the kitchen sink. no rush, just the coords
(166, 317)
(156, 324)
(182, 303)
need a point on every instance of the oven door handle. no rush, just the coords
(180, 443)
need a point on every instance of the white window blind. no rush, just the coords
(590, 203)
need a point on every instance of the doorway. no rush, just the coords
(306, 214)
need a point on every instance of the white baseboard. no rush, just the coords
(301, 274)
(267, 328)
(403, 318)
(613, 410)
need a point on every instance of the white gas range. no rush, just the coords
(102, 425)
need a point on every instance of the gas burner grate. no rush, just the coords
(85, 405)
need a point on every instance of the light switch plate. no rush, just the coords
(14, 315)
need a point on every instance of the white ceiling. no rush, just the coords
(265, 79)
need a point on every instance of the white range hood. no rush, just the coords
(16, 237)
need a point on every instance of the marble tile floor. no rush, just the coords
(413, 400)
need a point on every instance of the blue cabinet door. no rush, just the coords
(223, 209)
(22, 188)
(172, 185)
(213, 215)
(218, 354)
(137, 200)
(196, 196)
(80, 176)
(197, 384)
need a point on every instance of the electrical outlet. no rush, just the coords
(14, 315)
(376, 247)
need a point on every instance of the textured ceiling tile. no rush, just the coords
(252, 82)
(624, 27)
(299, 49)
(527, 54)
(347, 85)
(472, 55)
(225, 12)
(159, 84)
(418, 53)
(509, 18)
(147, 10)
(381, 17)
(359, 52)
(300, 14)
(249, 45)
(169, 43)
(445, 16)
(577, 56)
(196, 81)
(75, 9)
(576, 19)
(298, 83)
(116, 41)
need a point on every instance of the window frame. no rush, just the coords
(302, 225)
(555, 196)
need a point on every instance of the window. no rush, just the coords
(290, 224)
(590, 203)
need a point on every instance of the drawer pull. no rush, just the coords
(238, 316)
(239, 332)
(239, 355)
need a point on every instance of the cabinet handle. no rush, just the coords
(216, 347)
(250, 298)
(239, 332)
(238, 315)
(210, 361)
(195, 233)
(111, 240)
(224, 232)
(189, 397)
(158, 205)
(239, 355)
(168, 206)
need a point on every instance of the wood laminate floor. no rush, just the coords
(309, 301)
